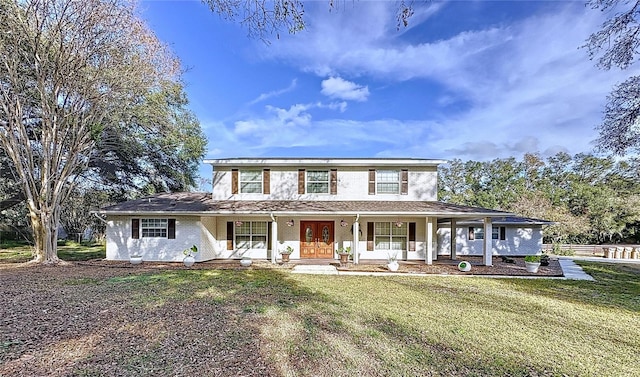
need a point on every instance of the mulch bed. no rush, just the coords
(442, 266)
(450, 267)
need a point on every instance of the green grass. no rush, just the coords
(20, 252)
(315, 325)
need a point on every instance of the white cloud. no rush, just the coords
(275, 93)
(336, 87)
(521, 85)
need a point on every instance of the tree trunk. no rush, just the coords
(45, 235)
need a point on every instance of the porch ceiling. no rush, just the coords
(202, 204)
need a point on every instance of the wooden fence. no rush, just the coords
(607, 251)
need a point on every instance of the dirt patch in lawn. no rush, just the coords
(87, 320)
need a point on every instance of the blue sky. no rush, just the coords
(467, 79)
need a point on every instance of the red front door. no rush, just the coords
(316, 239)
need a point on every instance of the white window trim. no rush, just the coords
(391, 236)
(477, 232)
(154, 226)
(379, 181)
(308, 181)
(260, 181)
(251, 235)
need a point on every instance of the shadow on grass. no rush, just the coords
(616, 286)
(112, 321)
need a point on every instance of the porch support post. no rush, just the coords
(274, 239)
(356, 241)
(428, 241)
(454, 239)
(434, 234)
(487, 255)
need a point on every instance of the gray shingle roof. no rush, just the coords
(202, 203)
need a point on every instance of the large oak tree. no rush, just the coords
(77, 78)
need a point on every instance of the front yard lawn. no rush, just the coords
(104, 321)
(18, 252)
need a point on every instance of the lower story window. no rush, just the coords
(154, 228)
(389, 236)
(251, 235)
(477, 233)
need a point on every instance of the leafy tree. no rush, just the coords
(77, 217)
(71, 75)
(590, 198)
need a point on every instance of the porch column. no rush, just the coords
(454, 239)
(487, 255)
(428, 241)
(356, 241)
(434, 234)
(274, 240)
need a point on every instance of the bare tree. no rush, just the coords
(69, 70)
(616, 45)
(262, 17)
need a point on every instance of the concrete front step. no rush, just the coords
(315, 269)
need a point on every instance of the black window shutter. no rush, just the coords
(503, 233)
(269, 230)
(370, 236)
(472, 235)
(135, 228)
(412, 236)
(171, 229)
(229, 235)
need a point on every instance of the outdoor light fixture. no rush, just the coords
(399, 224)
(238, 223)
(343, 223)
(290, 222)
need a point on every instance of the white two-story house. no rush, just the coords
(258, 207)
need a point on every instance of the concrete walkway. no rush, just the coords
(570, 270)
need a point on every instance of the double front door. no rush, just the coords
(316, 239)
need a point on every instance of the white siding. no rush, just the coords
(353, 184)
(519, 241)
(120, 244)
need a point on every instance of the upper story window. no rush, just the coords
(318, 181)
(251, 181)
(388, 181)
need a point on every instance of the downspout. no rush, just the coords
(100, 218)
(274, 236)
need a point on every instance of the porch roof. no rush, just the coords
(203, 204)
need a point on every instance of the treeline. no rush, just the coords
(592, 199)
